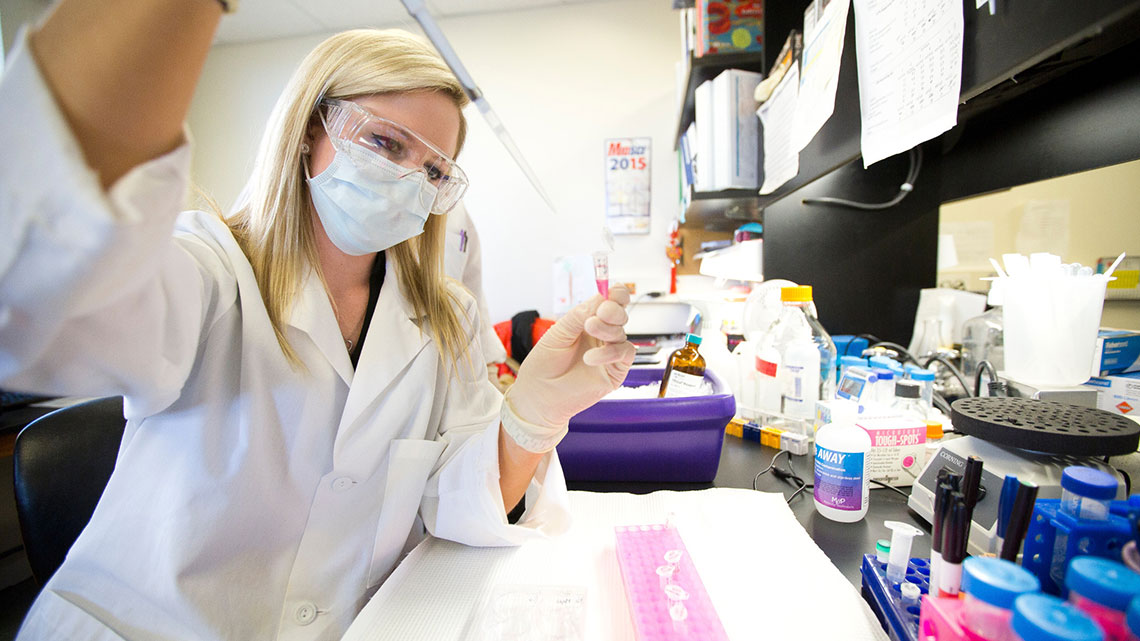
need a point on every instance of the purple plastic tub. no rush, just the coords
(653, 439)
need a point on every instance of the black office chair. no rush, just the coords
(63, 461)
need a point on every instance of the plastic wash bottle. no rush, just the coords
(842, 489)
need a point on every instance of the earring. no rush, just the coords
(305, 148)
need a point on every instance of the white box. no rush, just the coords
(735, 130)
(1119, 394)
(898, 448)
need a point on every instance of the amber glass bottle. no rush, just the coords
(685, 371)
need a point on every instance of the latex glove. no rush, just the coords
(579, 360)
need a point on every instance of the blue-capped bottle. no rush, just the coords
(685, 372)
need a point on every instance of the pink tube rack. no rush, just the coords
(940, 620)
(666, 597)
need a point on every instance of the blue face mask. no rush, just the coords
(364, 204)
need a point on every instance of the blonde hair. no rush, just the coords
(274, 226)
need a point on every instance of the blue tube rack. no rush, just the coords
(1093, 538)
(900, 621)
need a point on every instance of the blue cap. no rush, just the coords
(693, 338)
(921, 374)
(882, 361)
(883, 373)
(1105, 581)
(1044, 617)
(997, 581)
(1089, 482)
(1132, 617)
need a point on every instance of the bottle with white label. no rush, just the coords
(842, 488)
(685, 372)
(768, 391)
(807, 359)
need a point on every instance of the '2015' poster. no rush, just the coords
(627, 185)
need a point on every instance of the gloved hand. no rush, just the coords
(579, 360)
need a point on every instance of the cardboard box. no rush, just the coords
(1117, 352)
(1119, 394)
(898, 448)
(729, 26)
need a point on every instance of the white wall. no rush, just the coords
(1102, 221)
(562, 79)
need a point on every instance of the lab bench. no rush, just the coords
(843, 543)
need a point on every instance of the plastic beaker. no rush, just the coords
(1050, 326)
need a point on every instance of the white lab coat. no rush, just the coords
(250, 499)
(463, 261)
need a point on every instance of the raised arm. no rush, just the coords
(123, 73)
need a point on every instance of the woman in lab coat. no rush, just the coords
(265, 484)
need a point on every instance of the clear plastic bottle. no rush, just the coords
(807, 358)
(842, 488)
(768, 391)
(685, 372)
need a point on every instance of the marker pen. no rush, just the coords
(938, 518)
(956, 532)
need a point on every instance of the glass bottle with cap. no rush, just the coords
(908, 398)
(990, 586)
(1044, 617)
(807, 358)
(926, 378)
(1103, 589)
(685, 372)
(884, 394)
(1085, 494)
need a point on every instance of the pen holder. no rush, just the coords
(899, 619)
(1085, 538)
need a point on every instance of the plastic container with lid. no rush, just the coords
(1103, 589)
(1085, 494)
(926, 378)
(850, 361)
(1044, 617)
(841, 490)
(1132, 619)
(885, 387)
(991, 585)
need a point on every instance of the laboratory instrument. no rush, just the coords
(418, 10)
(1102, 589)
(842, 486)
(1028, 439)
(685, 371)
(991, 586)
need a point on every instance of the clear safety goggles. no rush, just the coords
(349, 123)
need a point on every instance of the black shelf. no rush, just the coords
(707, 68)
(723, 210)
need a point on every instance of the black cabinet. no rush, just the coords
(1049, 87)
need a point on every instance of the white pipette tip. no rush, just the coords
(1115, 263)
